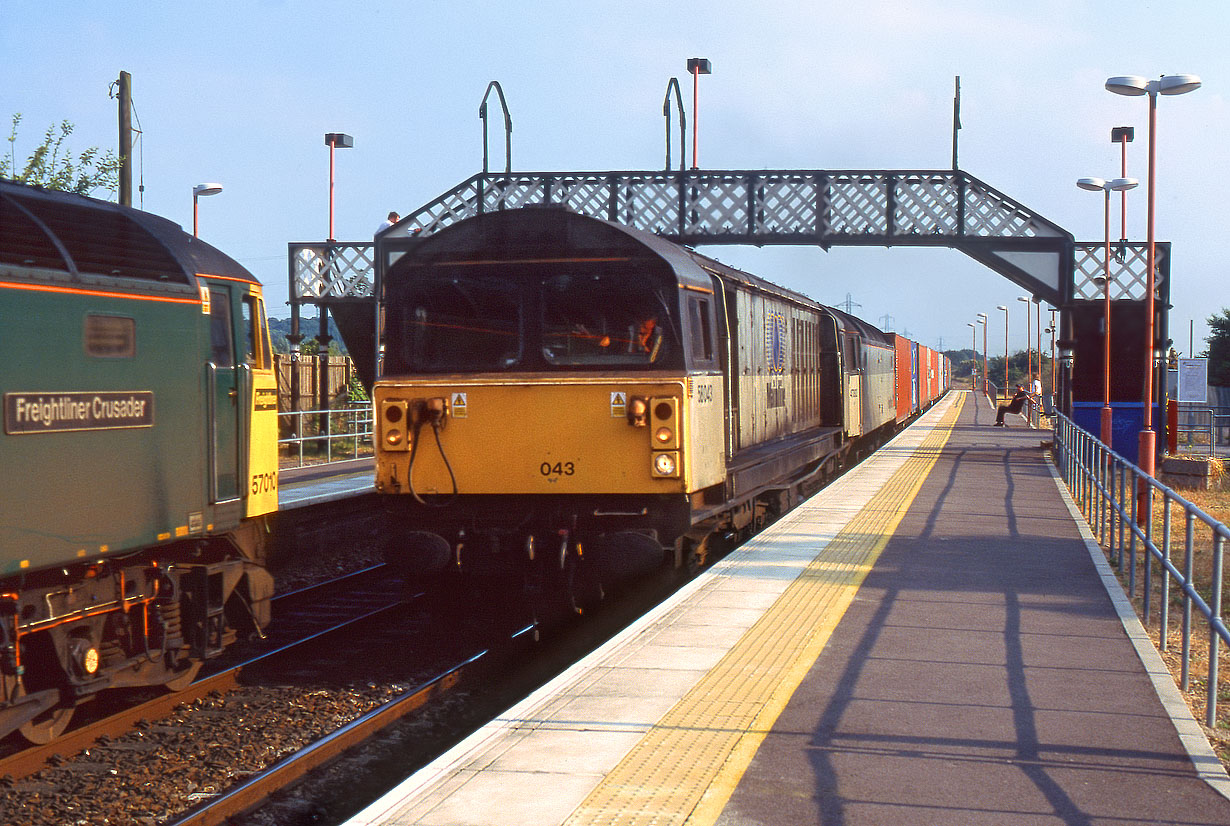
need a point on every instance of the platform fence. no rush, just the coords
(316, 437)
(1124, 507)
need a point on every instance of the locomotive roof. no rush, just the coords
(94, 240)
(536, 233)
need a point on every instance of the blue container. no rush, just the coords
(1126, 421)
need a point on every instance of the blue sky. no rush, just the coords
(242, 93)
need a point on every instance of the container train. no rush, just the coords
(577, 401)
(139, 454)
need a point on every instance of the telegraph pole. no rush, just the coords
(125, 97)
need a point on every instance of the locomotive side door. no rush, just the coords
(222, 397)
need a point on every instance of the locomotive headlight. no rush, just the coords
(394, 416)
(84, 656)
(664, 435)
(666, 464)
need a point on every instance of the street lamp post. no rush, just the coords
(697, 66)
(335, 140)
(1052, 332)
(982, 319)
(973, 374)
(1029, 353)
(1106, 187)
(1005, 309)
(197, 192)
(1134, 85)
(1122, 135)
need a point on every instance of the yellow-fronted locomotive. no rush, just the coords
(562, 395)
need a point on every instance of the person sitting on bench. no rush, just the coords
(1013, 406)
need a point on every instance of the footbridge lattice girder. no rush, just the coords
(825, 208)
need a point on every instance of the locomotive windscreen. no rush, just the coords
(530, 317)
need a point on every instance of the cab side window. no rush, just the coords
(700, 331)
(222, 350)
(256, 343)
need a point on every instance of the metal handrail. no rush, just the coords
(356, 425)
(1117, 500)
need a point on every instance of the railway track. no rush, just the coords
(304, 615)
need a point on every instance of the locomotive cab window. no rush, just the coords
(447, 323)
(256, 341)
(605, 320)
(222, 348)
(700, 331)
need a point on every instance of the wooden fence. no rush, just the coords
(299, 379)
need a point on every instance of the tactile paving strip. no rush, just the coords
(686, 766)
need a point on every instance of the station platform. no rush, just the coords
(932, 639)
(310, 485)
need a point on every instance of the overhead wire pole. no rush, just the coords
(124, 94)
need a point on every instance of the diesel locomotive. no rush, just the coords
(138, 456)
(577, 401)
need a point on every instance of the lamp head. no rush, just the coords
(1024, 298)
(1131, 85)
(206, 189)
(1001, 307)
(1178, 84)
(1092, 184)
(1122, 184)
(699, 66)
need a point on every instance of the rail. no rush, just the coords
(1118, 501)
(322, 436)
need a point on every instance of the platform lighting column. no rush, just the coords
(1051, 330)
(1122, 135)
(1038, 339)
(697, 66)
(982, 319)
(1106, 187)
(973, 377)
(1134, 85)
(1029, 353)
(197, 192)
(1005, 309)
(335, 140)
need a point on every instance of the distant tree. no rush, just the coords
(51, 165)
(1218, 351)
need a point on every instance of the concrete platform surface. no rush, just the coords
(927, 641)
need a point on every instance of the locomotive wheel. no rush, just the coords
(47, 726)
(184, 678)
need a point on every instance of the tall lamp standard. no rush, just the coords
(335, 140)
(973, 373)
(982, 319)
(697, 66)
(1005, 309)
(1106, 187)
(1134, 85)
(197, 192)
(1051, 330)
(1029, 352)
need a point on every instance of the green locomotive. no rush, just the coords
(138, 460)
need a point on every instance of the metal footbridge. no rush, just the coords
(825, 208)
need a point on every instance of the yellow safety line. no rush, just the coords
(687, 766)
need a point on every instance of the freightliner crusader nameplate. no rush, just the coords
(26, 413)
